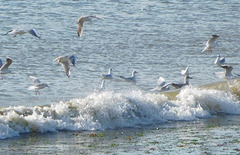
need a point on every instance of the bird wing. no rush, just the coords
(34, 33)
(94, 16)
(213, 39)
(66, 67)
(11, 31)
(102, 85)
(7, 64)
(61, 59)
(161, 81)
(84, 19)
(185, 71)
(80, 29)
(122, 77)
(34, 80)
(1, 63)
(58, 58)
(106, 76)
(222, 59)
(72, 58)
(225, 66)
(206, 48)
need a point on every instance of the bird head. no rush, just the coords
(215, 35)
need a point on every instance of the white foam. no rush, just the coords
(211, 100)
(112, 110)
(7, 132)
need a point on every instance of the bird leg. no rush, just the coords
(37, 92)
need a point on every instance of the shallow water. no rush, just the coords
(155, 38)
(217, 135)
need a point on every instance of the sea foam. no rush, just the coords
(113, 110)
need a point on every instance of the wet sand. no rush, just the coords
(217, 135)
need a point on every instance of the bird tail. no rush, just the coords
(122, 77)
(31, 88)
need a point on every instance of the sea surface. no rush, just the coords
(153, 37)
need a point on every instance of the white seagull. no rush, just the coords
(109, 75)
(130, 79)
(180, 85)
(80, 22)
(211, 43)
(162, 85)
(219, 60)
(4, 68)
(23, 31)
(65, 61)
(37, 85)
(185, 71)
(228, 72)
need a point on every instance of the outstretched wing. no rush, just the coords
(72, 59)
(34, 33)
(34, 80)
(66, 67)
(80, 29)
(161, 81)
(7, 64)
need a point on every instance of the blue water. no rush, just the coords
(155, 38)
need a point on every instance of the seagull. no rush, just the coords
(185, 71)
(130, 79)
(4, 68)
(108, 76)
(36, 84)
(162, 85)
(65, 61)
(228, 72)
(180, 85)
(211, 43)
(80, 22)
(219, 61)
(22, 31)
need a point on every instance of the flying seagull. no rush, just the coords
(65, 61)
(23, 31)
(4, 68)
(37, 85)
(211, 43)
(80, 22)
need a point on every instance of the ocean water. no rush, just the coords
(154, 38)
